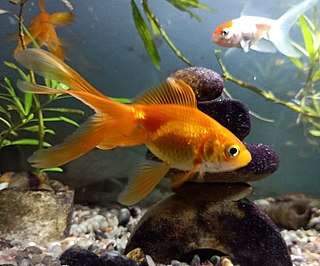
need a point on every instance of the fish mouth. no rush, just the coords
(215, 38)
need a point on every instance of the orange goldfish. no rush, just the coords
(262, 34)
(42, 29)
(166, 119)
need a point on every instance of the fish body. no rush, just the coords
(165, 119)
(42, 29)
(262, 34)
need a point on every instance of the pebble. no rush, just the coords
(102, 234)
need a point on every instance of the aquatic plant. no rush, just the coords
(27, 113)
(158, 30)
(307, 102)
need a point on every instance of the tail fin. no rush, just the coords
(279, 34)
(49, 66)
(113, 124)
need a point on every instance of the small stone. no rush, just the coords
(150, 261)
(226, 262)
(24, 262)
(33, 250)
(124, 216)
(112, 220)
(195, 261)
(135, 211)
(136, 255)
(36, 259)
(215, 260)
(117, 260)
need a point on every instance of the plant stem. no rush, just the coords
(36, 99)
(164, 35)
(267, 95)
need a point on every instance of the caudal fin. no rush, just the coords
(84, 139)
(113, 125)
(279, 33)
(47, 65)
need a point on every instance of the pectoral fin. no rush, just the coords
(245, 45)
(179, 179)
(147, 177)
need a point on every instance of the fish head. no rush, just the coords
(225, 35)
(221, 155)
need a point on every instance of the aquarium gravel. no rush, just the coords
(103, 233)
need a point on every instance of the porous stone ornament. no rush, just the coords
(38, 216)
(216, 223)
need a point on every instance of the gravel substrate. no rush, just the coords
(103, 232)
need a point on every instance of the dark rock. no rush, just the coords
(76, 256)
(4, 244)
(117, 260)
(206, 84)
(124, 216)
(232, 114)
(135, 211)
(237, 229)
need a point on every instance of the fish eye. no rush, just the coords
(233, 151)
(224, 33)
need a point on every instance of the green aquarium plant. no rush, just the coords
(157, 30)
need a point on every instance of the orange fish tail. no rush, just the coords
(113, 125)
(47, 65)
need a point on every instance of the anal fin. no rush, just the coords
(148, 176)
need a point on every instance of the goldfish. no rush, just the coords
(42, 29)
(165, 119)
(262, 34)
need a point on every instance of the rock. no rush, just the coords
(37, 216)
(206, 84)
(232, 114)
(178, 225)
(76, 256)
(117, 260)
(124, 216)
(288, 215)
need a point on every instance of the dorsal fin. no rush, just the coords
(172, 91)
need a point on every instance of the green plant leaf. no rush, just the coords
(27, 142)
(53, 169)
(145, 35)
(185, 8)
(315, 132)
(64, 110)
(307, 36)
(5, 122)
(121, 100)
(20, 72)
(15, 98)
(297, 62)
(61, 118)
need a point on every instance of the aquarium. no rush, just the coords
(101, 41)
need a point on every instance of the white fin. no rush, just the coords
(279, 33)
(149, 175)
(264, 46)
(245, 45)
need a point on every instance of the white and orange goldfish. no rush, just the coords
(262, 34)
(166, 119)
